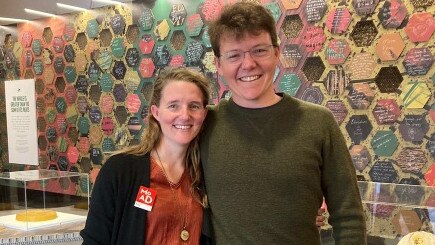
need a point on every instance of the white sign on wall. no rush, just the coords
(21, 121)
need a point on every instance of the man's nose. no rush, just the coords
(248, 60)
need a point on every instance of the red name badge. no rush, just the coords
(145, 198)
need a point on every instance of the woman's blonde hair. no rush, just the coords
(152, 133)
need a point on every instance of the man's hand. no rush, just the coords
(320, 219)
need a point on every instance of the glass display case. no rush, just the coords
(42, 205)
(393, 211)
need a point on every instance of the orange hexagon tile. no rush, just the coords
(420, 27)
(361, 66)
(390, 46)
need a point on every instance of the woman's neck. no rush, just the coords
(172, 159)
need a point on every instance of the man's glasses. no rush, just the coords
(257, 53)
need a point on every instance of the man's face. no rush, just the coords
(250, 77)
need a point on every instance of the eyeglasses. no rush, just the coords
(257, 53)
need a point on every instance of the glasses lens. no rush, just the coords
(261, 51)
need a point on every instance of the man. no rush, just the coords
(268, 158)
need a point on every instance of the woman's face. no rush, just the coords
(180, 113)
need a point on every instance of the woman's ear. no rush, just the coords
(155, 112)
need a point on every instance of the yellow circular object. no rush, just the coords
(418, 238)
(36, 215)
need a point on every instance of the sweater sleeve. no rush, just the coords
(100, 220)
(340, 187)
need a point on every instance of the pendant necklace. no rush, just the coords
(184, 234)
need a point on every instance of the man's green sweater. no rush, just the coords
(267, 170)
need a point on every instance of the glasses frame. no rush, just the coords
(224, 56)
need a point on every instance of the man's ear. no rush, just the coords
(155, 112)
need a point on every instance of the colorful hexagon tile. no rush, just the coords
(70, 94)
(413, 128)
(117, 22)
(312, 94)
(384, 143)
(178, 40)
(336, 81)
(360, 95)
(146, 68)
(337, 51)
(418, 61)
(106, 82)
(108, 145)
(95, 114)
(364, 33)
(292, 26)
(72, 154)
(37, 47)
(274, 8)
(315, 9)
(210, 9)
(133, 103)
(290, 83)
(194, 52)
(95, 135)
(338, 110)
(358, 127)
(388, 79)
(361, 66)
(392, 13)
(118, 47)
(406, 221)
(132, 34)
(106, 103)
(415, 95)
(313, 68)
(291, 55)
(132, 57)
(383, 171)
(105, 60)
(69, 53)
(121, 114)
(429, 176)
(92, 29)
(161, 56)
(360, 156)
(194, 25)
(95, 93)
(313, 39)
(420, 27)
(411, 160)
(178, 14)
(338, 20)
(409, 191)
(134, 125)
(107, 125)
(27, 39)
(58, 44)
(146, 19)
(386, 111)
(390, 46)
(119, 69)
(132, 81)
(162, 30)
(69, 32)
(364, 7)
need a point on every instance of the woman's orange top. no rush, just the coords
(164, 223)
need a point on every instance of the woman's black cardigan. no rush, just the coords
(112, 217)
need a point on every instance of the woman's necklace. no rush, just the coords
(184, 234)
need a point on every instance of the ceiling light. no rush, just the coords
(12, 19)
(108, 1)
(70, 7)
(36, 12)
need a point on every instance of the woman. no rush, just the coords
(123, 208)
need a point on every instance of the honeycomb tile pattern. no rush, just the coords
(369, 62)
